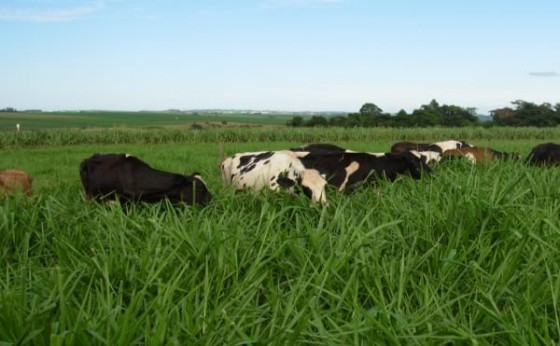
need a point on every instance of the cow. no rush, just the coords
(479, 154)
(127, 178)
(401, 147)
(545, 154)
(439, 147)
(273, 170)
(321, 148)
(14, 181)
(344, 170)
(427, 156)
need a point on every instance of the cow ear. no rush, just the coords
(196, 176)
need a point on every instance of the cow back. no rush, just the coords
(320, 148)
(401, 147)
(126, 177)
(13, 181)
(544, 154)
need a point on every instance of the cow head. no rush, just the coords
(412, 164)
(194, 191)
(310, 182)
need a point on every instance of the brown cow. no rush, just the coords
(479, 154)
(12, 180)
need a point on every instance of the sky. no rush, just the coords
(284, 55)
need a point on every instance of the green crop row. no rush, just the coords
(243, 135)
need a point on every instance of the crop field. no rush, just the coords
(469, 255)
(147, 119)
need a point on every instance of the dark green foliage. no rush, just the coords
(434, 114)
(527, 114)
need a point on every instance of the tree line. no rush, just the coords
(433, 114)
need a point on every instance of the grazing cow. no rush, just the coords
(427, 156)
(108, 176)
(274, 170)
(438, 147)
(13, 181)
(401, 147)
(321, 148)
(479, 154)
(547, 154)
(344, 170)
(443, 146)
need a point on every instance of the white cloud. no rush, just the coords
(544, 74)
(48, 15)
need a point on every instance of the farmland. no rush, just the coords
(146, 119)
(468, 256)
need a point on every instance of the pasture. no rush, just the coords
(145, 119)
(467, 256)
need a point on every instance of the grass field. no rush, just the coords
(468, 256)
(108, 119)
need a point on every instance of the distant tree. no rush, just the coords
(296, 122)
(455, 116)
(370, 115)
(504, 117)
(316, 120)
(527, 114)
(428, 115)
(338, 121)
(370, 109)
(402, 113)
(532, 114)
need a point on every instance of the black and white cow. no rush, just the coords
(344, 170)
(439, 147)
(273, 170)
(324, 148)
(311, 171)
(321, 148)
(112, 176)
(401, 147)
(545, 154)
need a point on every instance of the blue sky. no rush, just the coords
(294, 55)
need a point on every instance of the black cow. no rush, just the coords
(545, 154)
(344, 170)
(108, 176)
(401, 147)
(320, 148)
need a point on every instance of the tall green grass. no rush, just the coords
(280, 134)
(466, 256)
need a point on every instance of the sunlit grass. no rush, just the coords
(467, 256)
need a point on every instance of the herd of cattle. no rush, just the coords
(309, 169)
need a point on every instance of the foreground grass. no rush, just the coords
(469, 255)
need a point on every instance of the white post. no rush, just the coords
(17, 126)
